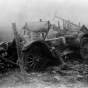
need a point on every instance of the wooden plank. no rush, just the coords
(19, 51)
(68, 21)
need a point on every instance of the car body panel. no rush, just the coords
(41, 44)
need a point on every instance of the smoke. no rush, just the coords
(21, 11)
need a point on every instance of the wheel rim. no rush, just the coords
(36, 59)
(84, 48)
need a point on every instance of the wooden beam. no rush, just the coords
(19, 51)
(68, 21)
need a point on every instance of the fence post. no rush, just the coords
(19, 51)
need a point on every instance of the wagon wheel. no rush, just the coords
(84, 48)
(35, 59)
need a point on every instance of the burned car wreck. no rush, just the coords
(39, 51)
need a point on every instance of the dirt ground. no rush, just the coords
(51, 78)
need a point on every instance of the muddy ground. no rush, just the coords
(51, 78)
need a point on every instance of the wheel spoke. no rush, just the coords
(39, 64)
(33, 67)
(40, 56)
(86, 46)
(30, 58)
(34, 52)
(29, 62)
(37, 54)
(31, 54)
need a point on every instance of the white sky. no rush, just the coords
(21, 11)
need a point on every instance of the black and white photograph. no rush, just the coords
(43, 43)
